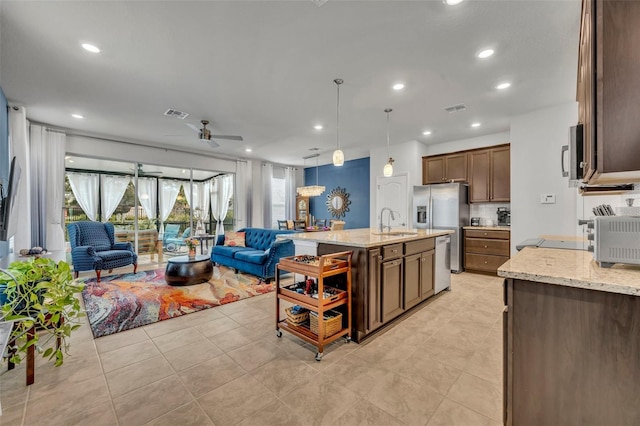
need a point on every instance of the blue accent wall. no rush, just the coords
(353, 176)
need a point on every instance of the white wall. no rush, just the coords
(465, 144)
(536, 140)
(408, 159)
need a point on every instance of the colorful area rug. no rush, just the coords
(125, 301)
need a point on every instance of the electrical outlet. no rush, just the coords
(547, 198)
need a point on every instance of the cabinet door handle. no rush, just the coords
(485, 262)
(379, 257)
(485, 246)
(485, 234)
(394, 251)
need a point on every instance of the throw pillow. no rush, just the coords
(234, 239)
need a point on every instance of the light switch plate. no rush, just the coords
(547, 198)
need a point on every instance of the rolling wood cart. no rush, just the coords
(322, 331)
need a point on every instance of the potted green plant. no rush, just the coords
(43, 290)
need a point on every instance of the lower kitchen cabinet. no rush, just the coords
(388, 280)
(485, 249)
(418, 278)
(392, 289)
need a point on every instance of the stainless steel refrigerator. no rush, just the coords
(443, 206)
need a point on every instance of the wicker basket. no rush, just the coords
(296, 319)
(332, 322)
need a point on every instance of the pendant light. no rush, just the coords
(388, 168)
(311, 190)
(338, 155)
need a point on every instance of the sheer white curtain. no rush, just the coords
(85, 189)
(290, 192)
(267, 173)
(148, 195)
(113, 188)
(19, 144)
(221, 193)
(201, 196)
(201, 199)
(169, 190)
(47, 187)
(242, 208)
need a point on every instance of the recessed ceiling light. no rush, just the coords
(184, 171)
(398, 86)
(503, 86)
(71, 161)
(90, 48)
(475, 124)
(248, 149)
(66, 157)
(318, 127)
(426, 132)
(78, 116)
(452, 2)
(485, 53)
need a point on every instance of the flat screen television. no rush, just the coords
(8, 205)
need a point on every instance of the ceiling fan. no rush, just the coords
(206, 136)
(142, 172)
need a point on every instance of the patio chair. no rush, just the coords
(93, 247)
(174, 244)
(170, 231)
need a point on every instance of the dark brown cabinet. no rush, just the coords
(389, 280)
(607, 90)
(485, 250)
(392, 289)
(412, 294)
(570, 356)
(374, 292)
(490, 175)
(444, 168)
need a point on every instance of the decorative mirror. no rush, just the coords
(338, 202)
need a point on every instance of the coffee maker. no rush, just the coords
(504, 216)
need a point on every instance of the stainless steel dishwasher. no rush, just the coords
(442, 275)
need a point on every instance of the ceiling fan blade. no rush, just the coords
(231, 138)
(193, 127)
(213, 144)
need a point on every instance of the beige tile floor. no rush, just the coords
(441, 365)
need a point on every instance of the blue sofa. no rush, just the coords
(259, 257)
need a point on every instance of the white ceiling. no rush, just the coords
(265, 69)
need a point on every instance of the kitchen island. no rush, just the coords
(571, 340)
(391, 272)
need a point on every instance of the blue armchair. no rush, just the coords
(93, 248)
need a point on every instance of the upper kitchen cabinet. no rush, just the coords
(490, 175)
(608, 90)
(444, 168)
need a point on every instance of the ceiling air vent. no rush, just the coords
(176, 114)
(455, 108)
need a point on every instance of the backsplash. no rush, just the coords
(487, 211)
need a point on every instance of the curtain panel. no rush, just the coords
(267, 173)
(85, 190)
(221, 193)
(113, 188)
(169, 190)
(19, 147)
(47, 151)
(148, 195)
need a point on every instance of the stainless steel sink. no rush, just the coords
(395, 233)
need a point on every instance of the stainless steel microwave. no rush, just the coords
(574, 155)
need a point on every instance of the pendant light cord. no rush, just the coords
(388, 110)
(338, 115)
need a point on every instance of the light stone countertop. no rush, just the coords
(488, 228)
(365, 237)
(571, 268)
